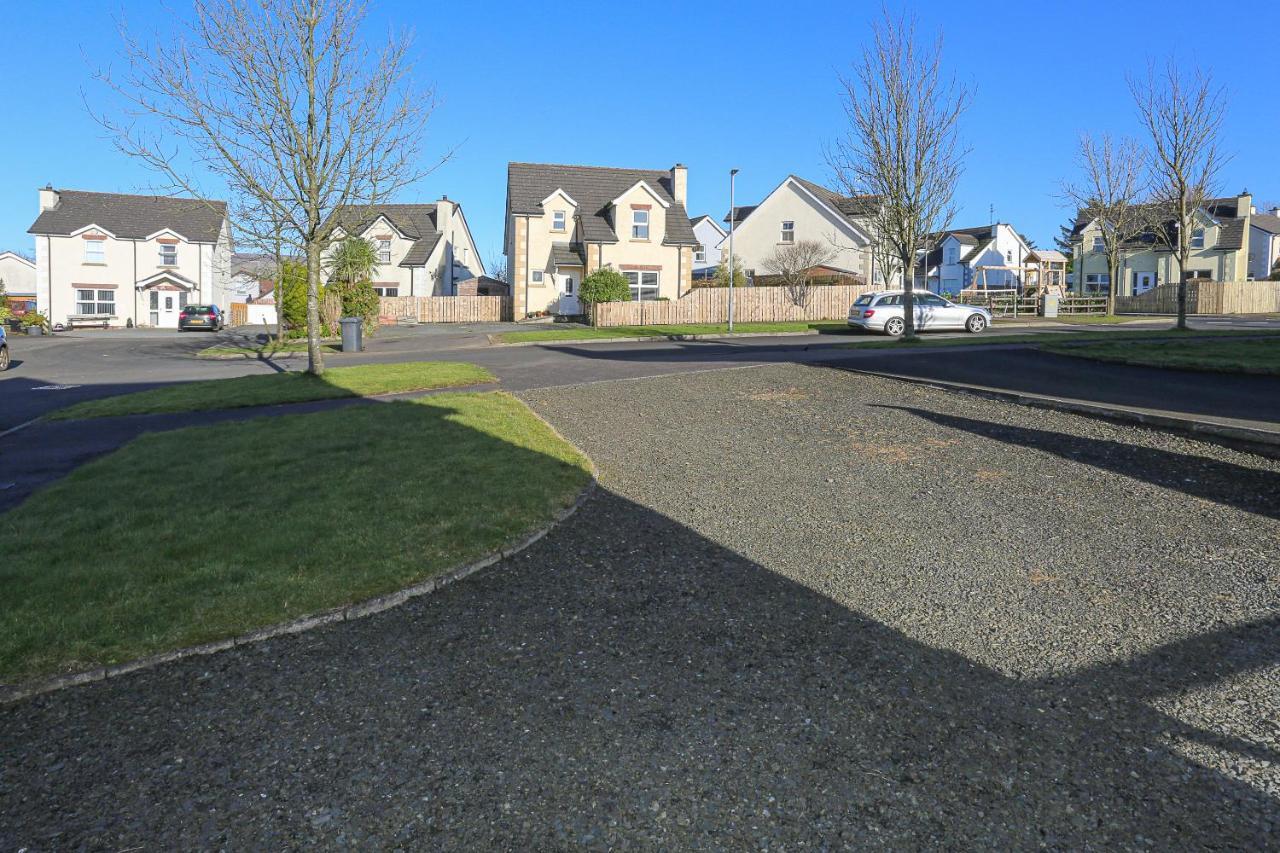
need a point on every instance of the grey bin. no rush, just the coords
(1050, 303)
(352, 334)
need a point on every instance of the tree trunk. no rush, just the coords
(315, 359)
(1113, 272)
(908, 301)
(1182, 294)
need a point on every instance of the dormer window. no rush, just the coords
(169, 254)
(557, 220)
(1197, 238)
(1098, 244)
(95, 251)
(788, 231)
(640, 223)
(384, 251)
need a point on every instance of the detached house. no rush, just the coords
(423, 249)
(801, 210)
(706, 257)
(1264, 244)
(1220, 250)
(565, 222)
(988, 256)
(116, 260)
(18, 274)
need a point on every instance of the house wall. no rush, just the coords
(757, 236)
(1226, 265)
(1264, 248)
(61, 269)
(18, 274)
(710, 237)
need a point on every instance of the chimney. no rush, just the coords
(1244, 204)
(680, 184)
(1275, 211)
(48, 198)
(444, 216)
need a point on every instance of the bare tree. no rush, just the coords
(498, 268)
(1182, 115)
(792, 264)
(283, 103)
(1110, 192)
(902, 141)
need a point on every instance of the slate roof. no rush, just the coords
(851, 206)
(593, 188)
(1266, 221)
(568, 255)
(971, 238)
(1231, 234)
(133, 216)
(740, 213)
(417, 222)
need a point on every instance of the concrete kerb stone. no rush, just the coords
(359, 610)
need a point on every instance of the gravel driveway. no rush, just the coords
(809, 609)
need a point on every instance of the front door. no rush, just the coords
(164, 309)
(1143, 281)
(568, 284)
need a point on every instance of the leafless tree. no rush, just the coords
(902, 141)
(498, 268)
(885, 260)
(1181, 114)
(1109, 192)
(792, 264)
(285, 104)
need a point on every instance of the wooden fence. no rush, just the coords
(1207, 297)
(239, 314)
(750, 305)
(444, 309)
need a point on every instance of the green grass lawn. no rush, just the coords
(266, 350)
(1047, 339)
(1223, 356)
(204, 533)
(265, 389)
(579, 333)
(1094, 319)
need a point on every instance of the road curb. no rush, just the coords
(1264, 442)
(652, 338)
(346, 613)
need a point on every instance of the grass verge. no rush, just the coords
(266, 389)
(1096, 319)
(1219, 356)
(1047, 338)
(262, 350)
(581, 333)
(301, 513)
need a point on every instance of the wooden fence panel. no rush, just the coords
(444, 309)
(239, 314)
(1207, 297)
(750, 305)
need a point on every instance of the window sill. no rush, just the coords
(94, 264)
(167, 266)
(640, 240)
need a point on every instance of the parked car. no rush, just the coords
(4, 350)
(201, 317)
(882, 312)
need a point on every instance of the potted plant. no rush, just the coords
(34, 322)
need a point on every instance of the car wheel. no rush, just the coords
(894, 326)
(976, 323)
(4, 359)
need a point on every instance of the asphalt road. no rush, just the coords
(49, 373)
(837, 612)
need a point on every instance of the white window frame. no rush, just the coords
(168, 254)
(639, 227)
(788, 234)
(98, 301)
(1197, 238)
(1099, 244)
(558, 220)
(99, 253)
(700, 255)
(386, 290)
(645, 284)
(384, 251)
(535, 277)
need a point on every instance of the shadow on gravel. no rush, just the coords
(1250, 489)
(628, 682)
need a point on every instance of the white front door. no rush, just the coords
(1143, 281)
(164, 308)
(568, 286)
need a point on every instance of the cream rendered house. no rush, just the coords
(1219, 251)
(423, 249)
(114, 260)
(565, 222)
(802, 210)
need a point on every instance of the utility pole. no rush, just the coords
(732, 174)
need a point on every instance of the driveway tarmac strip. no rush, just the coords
(835, 610)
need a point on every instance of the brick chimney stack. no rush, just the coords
(48, 198)
(680, 184)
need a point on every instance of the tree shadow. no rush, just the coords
(627, 681)
(1226, 483)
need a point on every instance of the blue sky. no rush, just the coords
(712, 85)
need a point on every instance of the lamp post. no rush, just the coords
(732, 174)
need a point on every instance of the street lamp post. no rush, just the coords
(732, 174)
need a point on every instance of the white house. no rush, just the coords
(423, 249)
(706, 257)
(801, 210)
(1264, 244)
(116, 260)
(18, 274)
(988, 256)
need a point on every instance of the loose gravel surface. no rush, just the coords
(807, 609)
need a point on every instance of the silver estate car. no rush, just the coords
(882, 312)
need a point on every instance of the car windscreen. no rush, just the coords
(199, 309)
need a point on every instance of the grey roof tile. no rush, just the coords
(1266, 221)
(415, 221)
(567, 254)
(133, 216)
(593, 188)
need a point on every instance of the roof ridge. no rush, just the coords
(511, 163)
(142, 195)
